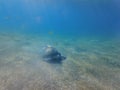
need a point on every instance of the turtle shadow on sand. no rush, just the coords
(51, 55)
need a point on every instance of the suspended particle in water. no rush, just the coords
(38, 19)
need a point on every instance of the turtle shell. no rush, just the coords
(51, 54)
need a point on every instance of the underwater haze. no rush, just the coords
(64, 16)
(86, 32)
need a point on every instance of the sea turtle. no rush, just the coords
(51, 54)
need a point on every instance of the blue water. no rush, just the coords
(64, 16)
(86, 32)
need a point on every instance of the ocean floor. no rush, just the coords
(91, 64)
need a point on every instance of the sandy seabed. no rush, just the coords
(91, 64)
